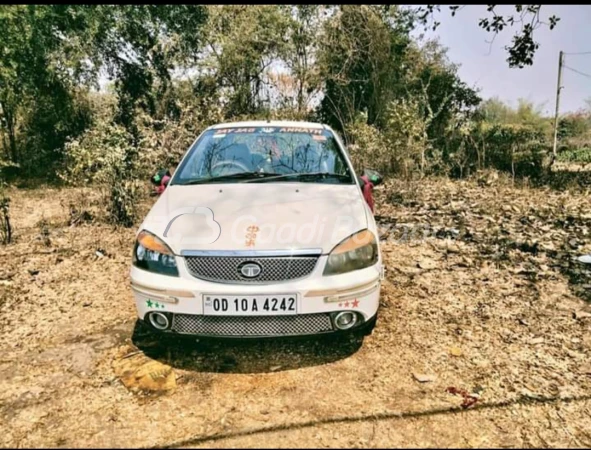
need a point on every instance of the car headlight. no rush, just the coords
(356, 252)
(152, 254)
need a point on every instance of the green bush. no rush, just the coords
(163, 142)
(518, 149)
(400, 148)
(105, 157)
(576, 155)
(574, 125)
(122, 202)
(369, 147)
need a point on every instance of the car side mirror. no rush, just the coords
(374, 176)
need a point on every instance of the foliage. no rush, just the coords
(242, 41)
(519, 149)
(79, 209)
(93, 156)
(516, 140)
(575, 125)
(123, 200)
(162, 143)
(300, 54)
(105, 156)
(418, 123)
(139, 45)
(521, 52)
(397, 150)
(40, 103)
(369, 147)
(111, 157)
(51, 54)
(495, 136)
(361, 60)
(495, 111)
(175, 69)
(574, 137)
(577, 155)
(443, 101)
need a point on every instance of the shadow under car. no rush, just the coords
(251, 355)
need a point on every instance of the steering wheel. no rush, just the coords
(230, 163)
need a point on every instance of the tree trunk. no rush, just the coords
(422, 162)
(11, 148)
(513, 162)
(12, 141)
(300, 95)
(301, 78)
(6, 228)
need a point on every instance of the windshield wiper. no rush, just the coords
(250, 176)
(304, 176)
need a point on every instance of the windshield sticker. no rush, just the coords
(219, 135)
(320, 138)
(235, 130)
(300, 130)
(223, 131)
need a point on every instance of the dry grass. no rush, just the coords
(499, 311)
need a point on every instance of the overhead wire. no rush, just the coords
(577, 71)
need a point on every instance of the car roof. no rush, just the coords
(269, 123)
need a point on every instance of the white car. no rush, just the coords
(263, 231)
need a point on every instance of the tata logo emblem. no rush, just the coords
(249, 269)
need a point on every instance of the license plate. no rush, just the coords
(250, 305)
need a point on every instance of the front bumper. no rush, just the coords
(319, 299)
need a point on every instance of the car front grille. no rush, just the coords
(226, 269)
(251, 326)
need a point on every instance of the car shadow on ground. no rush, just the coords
(244, 355)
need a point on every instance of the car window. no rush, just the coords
(265, 151)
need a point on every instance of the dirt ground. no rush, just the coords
(483, 338)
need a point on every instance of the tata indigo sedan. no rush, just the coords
(262, 231)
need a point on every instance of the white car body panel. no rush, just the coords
(329, 213)
(332, 213)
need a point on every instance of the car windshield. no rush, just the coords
(264, 154)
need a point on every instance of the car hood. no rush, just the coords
(257, 216)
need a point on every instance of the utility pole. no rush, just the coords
(560, 57)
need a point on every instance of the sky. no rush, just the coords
(485, 67)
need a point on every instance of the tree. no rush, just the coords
(51, 54)
(443, 97)
(361, 59)
(140, 46)
(241, 43)
(300, 55)
(37, 76)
